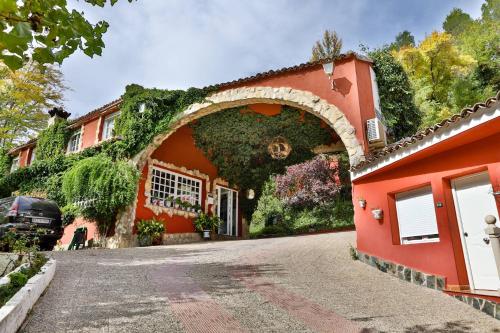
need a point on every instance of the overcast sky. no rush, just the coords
(176, 44)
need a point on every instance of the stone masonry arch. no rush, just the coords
(219, 101)
(300, 99)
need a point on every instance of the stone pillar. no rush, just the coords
(494, 238)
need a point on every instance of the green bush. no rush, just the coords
(149, 231)
(18, 279)
(101, 188)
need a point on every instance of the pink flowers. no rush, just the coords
(310, 183)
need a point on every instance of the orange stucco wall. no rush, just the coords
(69, 231)
(180, 150)
(353, 95)
(23, 157)
(473, 151)
(89, 133)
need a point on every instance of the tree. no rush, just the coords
(456, 22)
(327, 48)
(25, 94)
(433, 67)
(481, 40)
(401, 115)
(403, 39)
(47, 32)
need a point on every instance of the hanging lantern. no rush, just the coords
(279, 148)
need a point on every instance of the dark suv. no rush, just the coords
(32, 217)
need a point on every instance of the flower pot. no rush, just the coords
(144, 240)
(206, 234)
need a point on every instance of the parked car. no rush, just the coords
(31, 217)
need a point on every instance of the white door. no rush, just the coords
(227, 210)
(473, 201)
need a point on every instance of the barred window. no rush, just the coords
(166, 184)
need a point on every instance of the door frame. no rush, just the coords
(460, 223)
(217, 189)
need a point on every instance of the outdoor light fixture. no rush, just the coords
(329, 67)
(250, 194)
(377, 213)
(362, 202)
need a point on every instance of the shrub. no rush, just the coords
(149, 231)
(101, 188)
(268, 206)
(18, 279)
(307, 184)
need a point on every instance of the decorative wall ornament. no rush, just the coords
(279, 148)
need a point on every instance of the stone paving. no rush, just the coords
(290, 284)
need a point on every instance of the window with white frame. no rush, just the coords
(417, 216)
(15, 164)
(109, 125)
(167, 186)
(74, 141)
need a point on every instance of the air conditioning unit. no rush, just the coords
(375, 131)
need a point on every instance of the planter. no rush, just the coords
(144, 240)
(13, 313)
(206, 234)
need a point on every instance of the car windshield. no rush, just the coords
(5, 205)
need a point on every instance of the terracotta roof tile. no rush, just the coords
(291, 69)
(255, 77)
(405, 142)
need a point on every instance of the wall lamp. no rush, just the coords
(329, 68)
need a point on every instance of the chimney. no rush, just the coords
(57, 113)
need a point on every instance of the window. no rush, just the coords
(109, 125)
(417, 216)
(74, 141)
(32, 155)
(15, 164)
(169, 185)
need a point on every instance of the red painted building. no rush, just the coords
(345, 100)
(432, 193)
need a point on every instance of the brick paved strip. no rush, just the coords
(312, 314)
(193, 307)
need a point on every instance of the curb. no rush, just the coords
(13, 313)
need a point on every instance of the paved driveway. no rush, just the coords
(292, 284)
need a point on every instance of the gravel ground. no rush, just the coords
(290, 284)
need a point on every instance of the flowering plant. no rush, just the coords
(311, 183)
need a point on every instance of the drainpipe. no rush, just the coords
(494, 238)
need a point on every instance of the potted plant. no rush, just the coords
(169, 201)
(149, 232)
(177, 203)
(206, 224)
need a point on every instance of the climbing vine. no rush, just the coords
(52, 141)
(100, 187)
(146, 113)
(236, 141)
(111, 184)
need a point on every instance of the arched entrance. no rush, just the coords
(299, 99)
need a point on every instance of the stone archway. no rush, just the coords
(219, 101)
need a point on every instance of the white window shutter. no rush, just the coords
(416, 213)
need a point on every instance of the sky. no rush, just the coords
(177, 44)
